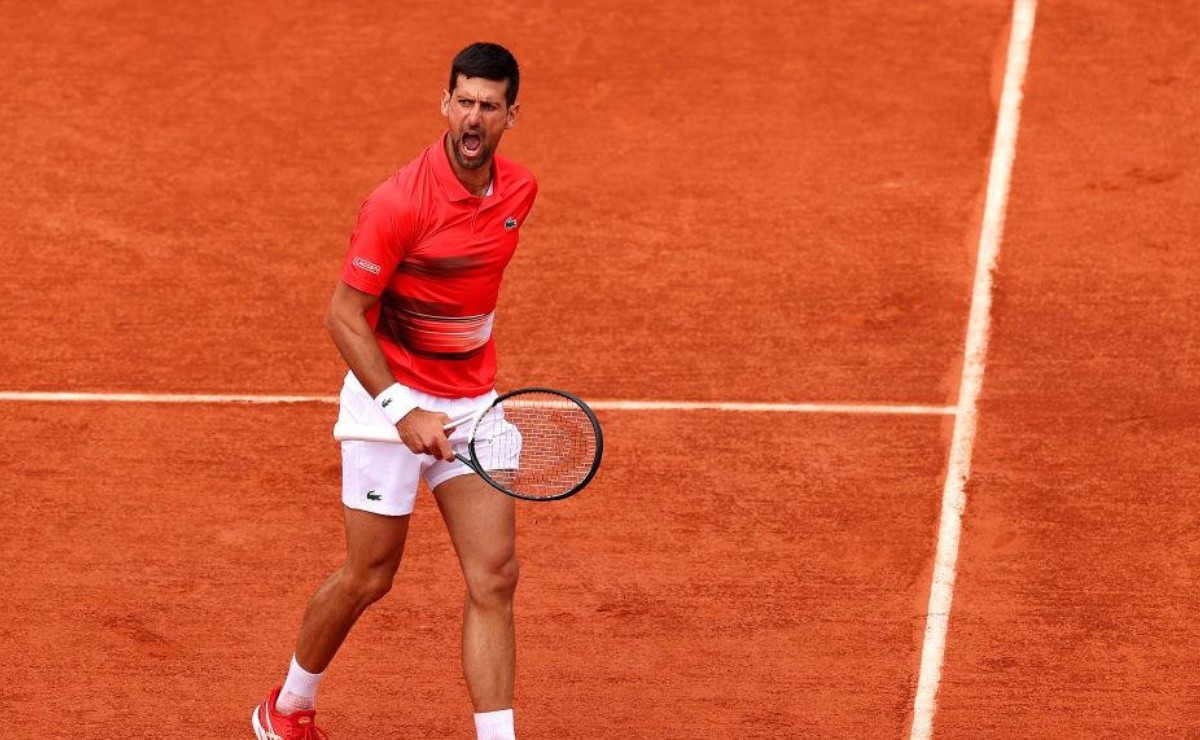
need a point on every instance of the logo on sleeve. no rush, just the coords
(510, 223)
(363, 264)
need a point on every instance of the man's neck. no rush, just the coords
(475, 181)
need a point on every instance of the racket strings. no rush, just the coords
(537, 445)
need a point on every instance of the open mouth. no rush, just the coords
(472, 144)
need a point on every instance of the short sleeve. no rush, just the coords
(532, 195)
(378, 243)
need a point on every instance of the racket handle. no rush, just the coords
(460, 420)
(348, 431)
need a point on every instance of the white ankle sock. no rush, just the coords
(299, 690)
(495, 725)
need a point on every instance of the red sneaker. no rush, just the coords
(269, 724)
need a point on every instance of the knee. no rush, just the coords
(494, 586)
(369, 585)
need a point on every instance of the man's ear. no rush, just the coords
(445, 106)
(513, 110)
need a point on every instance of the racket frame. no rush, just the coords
(473, 462)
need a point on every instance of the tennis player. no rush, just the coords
(412, 316)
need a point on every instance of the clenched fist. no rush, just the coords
(424, 433)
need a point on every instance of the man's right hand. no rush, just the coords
(423, 432)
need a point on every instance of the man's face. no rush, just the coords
(477, 115)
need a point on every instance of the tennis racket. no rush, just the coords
(536, 444)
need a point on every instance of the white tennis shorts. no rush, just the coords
(383, 477)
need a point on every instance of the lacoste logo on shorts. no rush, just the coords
(510, 223)
(363, 264)
(372, 496)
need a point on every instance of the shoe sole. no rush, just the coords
(259, 732)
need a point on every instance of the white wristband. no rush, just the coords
(392, 401)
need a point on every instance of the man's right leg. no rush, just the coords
(374, 546)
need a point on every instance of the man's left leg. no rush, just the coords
(482, 526)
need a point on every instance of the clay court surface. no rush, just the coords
(776, 203)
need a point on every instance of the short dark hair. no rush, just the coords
(489, 61)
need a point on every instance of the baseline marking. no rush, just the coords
(609, 405)
(72, 397)
(954, 500)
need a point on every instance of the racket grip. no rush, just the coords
(460, 420)
(348, 431)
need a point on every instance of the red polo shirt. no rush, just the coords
(435, 254)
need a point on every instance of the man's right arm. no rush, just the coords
(421, 431)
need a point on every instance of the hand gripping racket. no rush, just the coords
(536, 444)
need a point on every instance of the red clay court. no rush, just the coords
(779, 205)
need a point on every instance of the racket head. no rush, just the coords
(536, 444)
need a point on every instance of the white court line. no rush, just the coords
(604, 405)
(71, 397)
(794, 408)
(954, 500)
